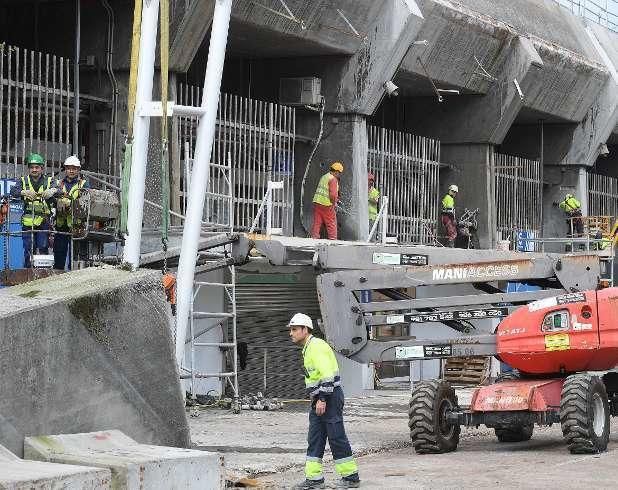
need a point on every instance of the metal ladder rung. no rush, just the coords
(197, 374)
(216, 284)
(206, 314)
(214, 344)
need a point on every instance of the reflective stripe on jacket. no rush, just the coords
(448, 204)
(66, 217)
(37, 210)
(569, 205)
(322, 194)
(374, 198)
(321, 368)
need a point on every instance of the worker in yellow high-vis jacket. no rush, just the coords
(573, 209)
(373, 195)
(325, 202)
(323, 383)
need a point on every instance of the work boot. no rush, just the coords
(351, 481)
(451, 244)
(307, 484)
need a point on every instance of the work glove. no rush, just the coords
(63, 205)
(29, 194)
(49, 193)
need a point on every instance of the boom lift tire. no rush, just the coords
(514, 433)
(584, 414)
(429, 430)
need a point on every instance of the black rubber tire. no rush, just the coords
(584, 431)
(515, 433)
(429, 432)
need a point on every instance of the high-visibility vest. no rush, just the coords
(66, 218)
(321, 368)
(322, 195)
(374, 196)
(569, 205)
(35, 210)
(448, 204)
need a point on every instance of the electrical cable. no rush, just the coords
(315, 147)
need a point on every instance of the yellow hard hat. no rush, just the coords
(337, 166)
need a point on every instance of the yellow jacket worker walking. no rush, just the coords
(326, 414)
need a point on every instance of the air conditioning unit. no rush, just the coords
(300, 91)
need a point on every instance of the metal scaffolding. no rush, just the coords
(518, 192)
(603, 12)
(602, 195)
(259, 137)
(406, 168)
(36, 111)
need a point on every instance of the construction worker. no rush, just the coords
(36, 190)
(323, 383)
(573, 209)
(373, 198)
(68, 190)
(448, 214)
(325, 201)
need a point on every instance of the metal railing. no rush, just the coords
(602, 195)
(406, 168)
(603, 12)
(518, 194)
(256, 139)
(36, 108)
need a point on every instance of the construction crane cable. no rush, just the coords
(165, 186)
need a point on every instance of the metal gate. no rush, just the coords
(406, 168)
(602, 195)
(519, 192)
(273, 362)
(254, 138)
(36, 108)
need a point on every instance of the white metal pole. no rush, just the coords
(384, 220)
(141, 132)
(201, 169)
(269, 208)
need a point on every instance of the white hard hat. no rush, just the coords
(453, 188)
(301, 320)
(72, 161)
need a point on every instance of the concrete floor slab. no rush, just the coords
(16, 473)
(132, 465)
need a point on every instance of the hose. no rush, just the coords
(315, 147)
(109, 65)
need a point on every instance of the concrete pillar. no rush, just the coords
(346, 141)
(472, 170)
(560, 180)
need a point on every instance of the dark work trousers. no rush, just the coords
(41, 241)
(329, 426)
(61, 248)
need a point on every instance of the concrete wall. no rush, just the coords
(89, 350)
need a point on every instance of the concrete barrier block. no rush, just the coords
(18, 474)
(133, 465)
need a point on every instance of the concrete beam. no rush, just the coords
(89, 350)
(479, 118)
(16, 473)
(132, 465)
(187, 32)
(378, 58)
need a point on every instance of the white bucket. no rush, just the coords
(503, 245)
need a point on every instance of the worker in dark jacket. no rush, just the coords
(37, 192)
(69, 188)
(323, 383)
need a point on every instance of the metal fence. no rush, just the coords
(603, 12)
(519, 191)
(35, 108)
(255, 139)
(406, 168)
(602, 195)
